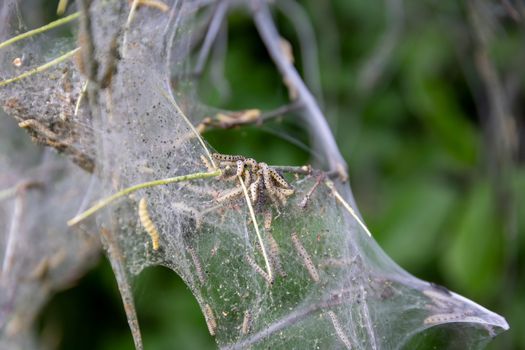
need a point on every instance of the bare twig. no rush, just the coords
(347, 206)
(39, 30)
(306, 198)
(218, 63)
(256, 227)
(316, 123)
(299, 170)
(211, 35)
(106, 201)
(511, 10)
(118, 264)
(89, 63)
(14, 236)
(374, 66)
(299, 18)
(245, 117)
(62, 6)
(41, 68)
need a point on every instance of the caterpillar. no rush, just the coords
(443, 318)
(226, 157)
(148, 224)
(258, 269)
(274, 256)
(210, 319)
(308, 263)
(246, 322)
(339, 330)
(197, 264)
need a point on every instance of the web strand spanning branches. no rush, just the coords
(336, 298)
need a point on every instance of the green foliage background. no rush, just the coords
(418, 161)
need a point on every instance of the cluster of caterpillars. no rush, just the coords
(262, 181)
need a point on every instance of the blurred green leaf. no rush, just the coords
(473, 260)
(433, 99)
(412, 224)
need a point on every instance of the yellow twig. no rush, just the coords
(131, 14)
(347, 206)
(80, 97)
(42, 29)
(104, 202)
(61, 8)
(41, 68)
(256, 226)
(159, 5)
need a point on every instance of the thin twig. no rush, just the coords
(61, 8)
(42, 29)
(218, 63)
(41, 68)
(306, 198)
(299, 170)
(80, 97)
(104, 202)
(298, 17)
(13, 235)
(118, 264)
(245, 117)
(88, 61)
(511, 10)
(12, 191)
(256, 226)
(317, 125)
(211, 35)
(347, 206)
(375, 65)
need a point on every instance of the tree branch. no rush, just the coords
(213, 30)
(316, 123)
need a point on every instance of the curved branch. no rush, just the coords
(297, 15)
(211, 35)
(314, 118)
